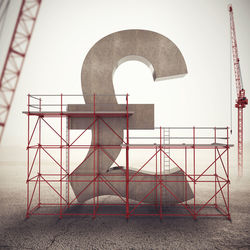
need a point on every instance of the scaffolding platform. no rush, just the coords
(200, 154)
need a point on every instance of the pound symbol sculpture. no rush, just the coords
(165, 60)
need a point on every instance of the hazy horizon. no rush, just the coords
(201, 98)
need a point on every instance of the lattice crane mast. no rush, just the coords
(241, 100)
(16, 54)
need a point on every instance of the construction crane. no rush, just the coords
(241, 100)
(16, 54)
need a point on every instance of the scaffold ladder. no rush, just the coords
(166, 142)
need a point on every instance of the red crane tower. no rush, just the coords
(241, 100)
(17, 51)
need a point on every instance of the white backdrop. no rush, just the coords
(66, 30)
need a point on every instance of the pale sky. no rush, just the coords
(66, 30)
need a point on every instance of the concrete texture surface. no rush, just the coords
(48, 232)
(159, 53)
(165, 60)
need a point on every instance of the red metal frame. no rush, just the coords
(215, 174)
(241, 100)
(15, 57)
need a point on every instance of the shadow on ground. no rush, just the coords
(49, 232)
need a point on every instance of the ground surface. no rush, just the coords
(48, 232)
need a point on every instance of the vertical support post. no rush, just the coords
(94, 174)
(98, 162)
(186, 175)
(169, 151)
(215, 169)
(127, 161)
(160, 173)
(194, 170)
(67, 159)
(61, 154)
(228, 180)
(39, 148)
(28, 158)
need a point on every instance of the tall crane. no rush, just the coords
(241, 100)
(17, 51)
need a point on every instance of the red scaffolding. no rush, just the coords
(200, 153)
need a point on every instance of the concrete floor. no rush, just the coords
(48, 232)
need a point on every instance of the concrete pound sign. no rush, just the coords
(166, 61)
